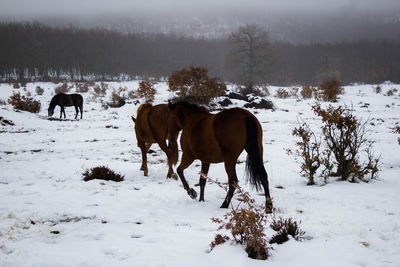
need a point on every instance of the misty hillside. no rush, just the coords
(304, 21)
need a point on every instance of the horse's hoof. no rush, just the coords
(224, 205)
(142, 168)
(172, 176)
(268, 208)
(192, 193)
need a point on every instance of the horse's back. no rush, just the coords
(212, 137)
(77, 99)
(158, 118)
(151, 122)
(230, 129)
(68, 100)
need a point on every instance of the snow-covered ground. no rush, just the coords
(50, 217)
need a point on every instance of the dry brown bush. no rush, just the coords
(245, 224)
(63, 88)
(346, 138)
(282, 93)
(391, 92)
(193, 84)
(284, 228)
(146, 89)
(39, 90)
(102, 173)
(396, 129)
(308, 91)
(100, 90)
(116, 100)
(24, 103)
(82, 87)
(329, 91)
(309, 153)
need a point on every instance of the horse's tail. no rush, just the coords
(255, 171)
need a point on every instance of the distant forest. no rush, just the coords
(32, 51)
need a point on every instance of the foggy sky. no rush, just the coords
(37, 8)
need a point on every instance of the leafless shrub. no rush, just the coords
(293, 92)
(309, 153)
(100, 90)
(378, 89)
(282, 93)
(39, 90)
(82, 87)
(396, 130)
(308, 91)
(391, 92)
(16, 85)
(247, 89)
(24, 103)
(63, 88)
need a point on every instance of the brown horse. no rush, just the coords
(220, 137)
(151, 126)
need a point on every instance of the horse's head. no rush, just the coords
(180, 112)
(175, 113)
(50, 111)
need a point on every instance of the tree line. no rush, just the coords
(32, 51)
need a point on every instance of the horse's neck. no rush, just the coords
(53, 103)
(192, 118)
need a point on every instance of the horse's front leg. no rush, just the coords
(61, 111)
(233, 180)
(170, 158)
(205, 166)
(185, 162)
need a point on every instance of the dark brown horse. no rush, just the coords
(220, 137)
(151, 126)
(64, 100)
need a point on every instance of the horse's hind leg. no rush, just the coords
(205, 166)
(185, 162)
(231, 171)
(63, 111)
(77, 112)
(268, 200)
(144, 148)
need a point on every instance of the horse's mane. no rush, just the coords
(192, 107)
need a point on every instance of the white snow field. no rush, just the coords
(50, 217)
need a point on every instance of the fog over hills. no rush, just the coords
(297, 21)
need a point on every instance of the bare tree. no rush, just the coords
(250, 55)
